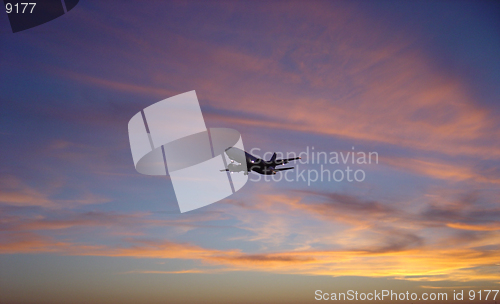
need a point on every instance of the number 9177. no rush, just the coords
(18, 7)
(483, 295)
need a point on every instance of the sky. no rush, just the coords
(416, 82)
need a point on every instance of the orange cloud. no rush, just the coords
(440, 169)
(404, 101)
(14, 192)
(357, 79)
(494, 227)
(357, 238)
(427, 265)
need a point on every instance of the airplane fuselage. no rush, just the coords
(253, 163)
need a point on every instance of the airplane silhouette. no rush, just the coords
(246, 162)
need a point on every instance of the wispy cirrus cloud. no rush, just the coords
(302, 232)
(360, 82)
(490, 227)
(17, 193)
(432, 110)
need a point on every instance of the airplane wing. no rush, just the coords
(285, 161)
(283, 169)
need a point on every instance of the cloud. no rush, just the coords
(377, 230)
(441, 169)
(411, 264)
(68, 220)
(354, 79)
(493, 227)
(173, 271)
(345, 236)
(68, 223)
(115, 85)
(350, 80)
(15, 192)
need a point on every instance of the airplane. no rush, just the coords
(247, 163)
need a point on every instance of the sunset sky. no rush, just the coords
(417, 82)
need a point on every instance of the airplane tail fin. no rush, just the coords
(273, 158)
